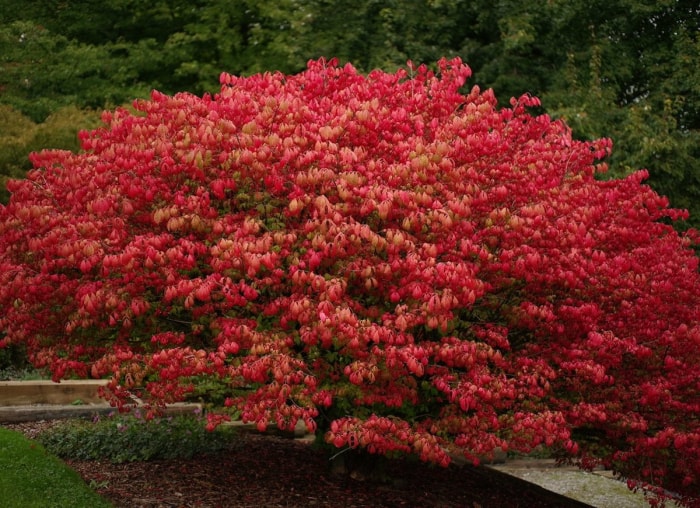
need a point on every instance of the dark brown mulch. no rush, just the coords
(271, 471)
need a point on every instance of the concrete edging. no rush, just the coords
(26, 401)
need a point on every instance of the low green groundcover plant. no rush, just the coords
(129, 438)
(32, 478)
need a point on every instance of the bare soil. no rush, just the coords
(271, 471)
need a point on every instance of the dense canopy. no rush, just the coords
(404, 267)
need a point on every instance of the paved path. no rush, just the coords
(598, 489)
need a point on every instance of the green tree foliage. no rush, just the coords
(15, 133)
(632, 73)
(44, 71)
(19, 136)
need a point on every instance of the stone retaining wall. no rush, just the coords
(20, 393)
(24, 401)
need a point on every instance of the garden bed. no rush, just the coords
(273, 471)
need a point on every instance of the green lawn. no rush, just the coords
(31, 478)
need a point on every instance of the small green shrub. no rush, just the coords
(22, 374)
(132, 438)
(209, 391)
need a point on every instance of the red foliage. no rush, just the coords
(409, 268)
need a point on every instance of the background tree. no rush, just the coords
(20, 136)
(632, 71)
(43, 72)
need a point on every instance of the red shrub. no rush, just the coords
(407, 267)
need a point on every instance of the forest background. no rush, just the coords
(624, 69)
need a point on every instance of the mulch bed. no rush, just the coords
(272, 471)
